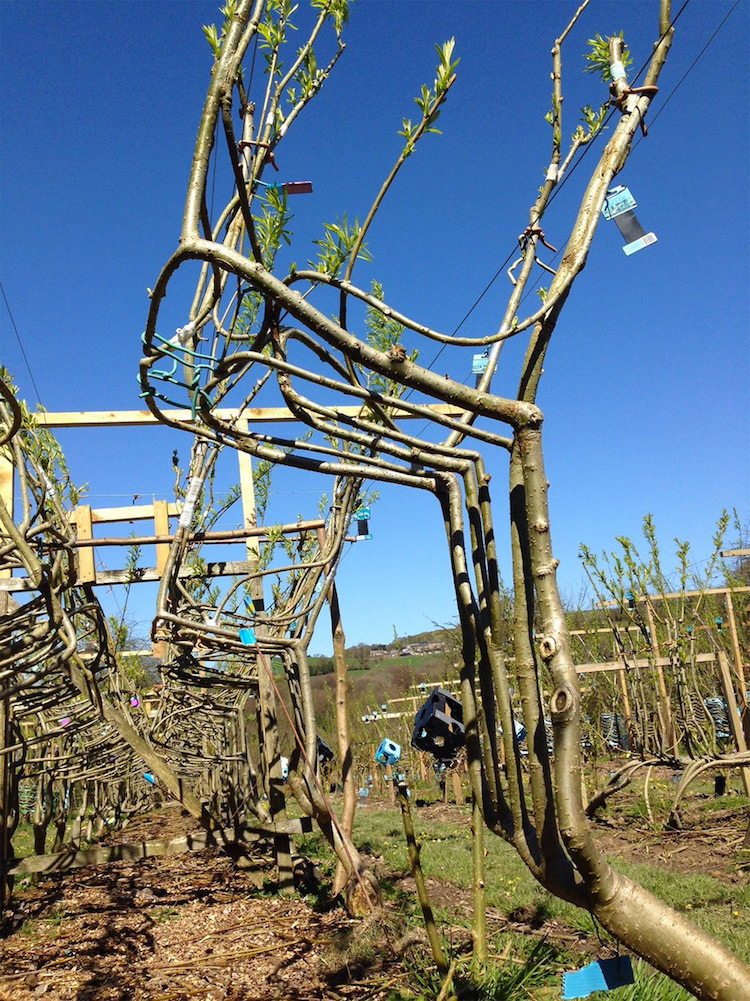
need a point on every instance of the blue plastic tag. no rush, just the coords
(249, 606)
(618, 200)
(604, 975)
(479, 363)
(636, 245)
(247, 636)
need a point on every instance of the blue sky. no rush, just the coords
(645, 392)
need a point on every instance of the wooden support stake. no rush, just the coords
(86, 557)
(161, 527)
(268, 735)
(666, 711)
(625, 700)
(736, 648)
(7, 471)
(734, 719)
(458, 791)
(6, 805)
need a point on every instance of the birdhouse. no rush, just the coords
(631, 601)
(439, 726)
(388, 753)
(325, 754)
(619, 205)
(362, 517)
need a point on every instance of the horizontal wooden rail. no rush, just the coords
(254, 415)
(229, 535)
(624, 665)
(222, 568)
(63, 861)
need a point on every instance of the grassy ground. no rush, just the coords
(719, 905)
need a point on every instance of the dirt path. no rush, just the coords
(177, 927)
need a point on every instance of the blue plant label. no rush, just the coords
(618, 200)
(247, 636)
(149, 778)
(479, 363)
(603, 975)
(636, 245)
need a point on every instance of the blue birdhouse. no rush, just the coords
(439, 726)
(362, 517)
(388, 753)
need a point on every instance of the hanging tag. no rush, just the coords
(603, 975)
(479, 363)
(149, 778)
(247, 636)
(619, 205)
(249, 606)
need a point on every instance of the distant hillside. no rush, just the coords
(427, 651)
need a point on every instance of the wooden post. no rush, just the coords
(666, 710)
(247, 496)
(268, 734)
(7, 470)
(458, 790)
(734, 719)
(86, 555)
(391, 784)
(161, 527)
(6, 804)
(736, 648)
(625, 698)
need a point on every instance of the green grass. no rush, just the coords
(721, 909)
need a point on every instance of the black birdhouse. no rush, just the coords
(325, 754)
(439, 726)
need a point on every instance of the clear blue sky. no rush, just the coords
(645, 392)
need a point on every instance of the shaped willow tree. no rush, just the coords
(254, 335)
(65, 709)
(221, 643)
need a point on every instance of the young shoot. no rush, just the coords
(597, 57)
